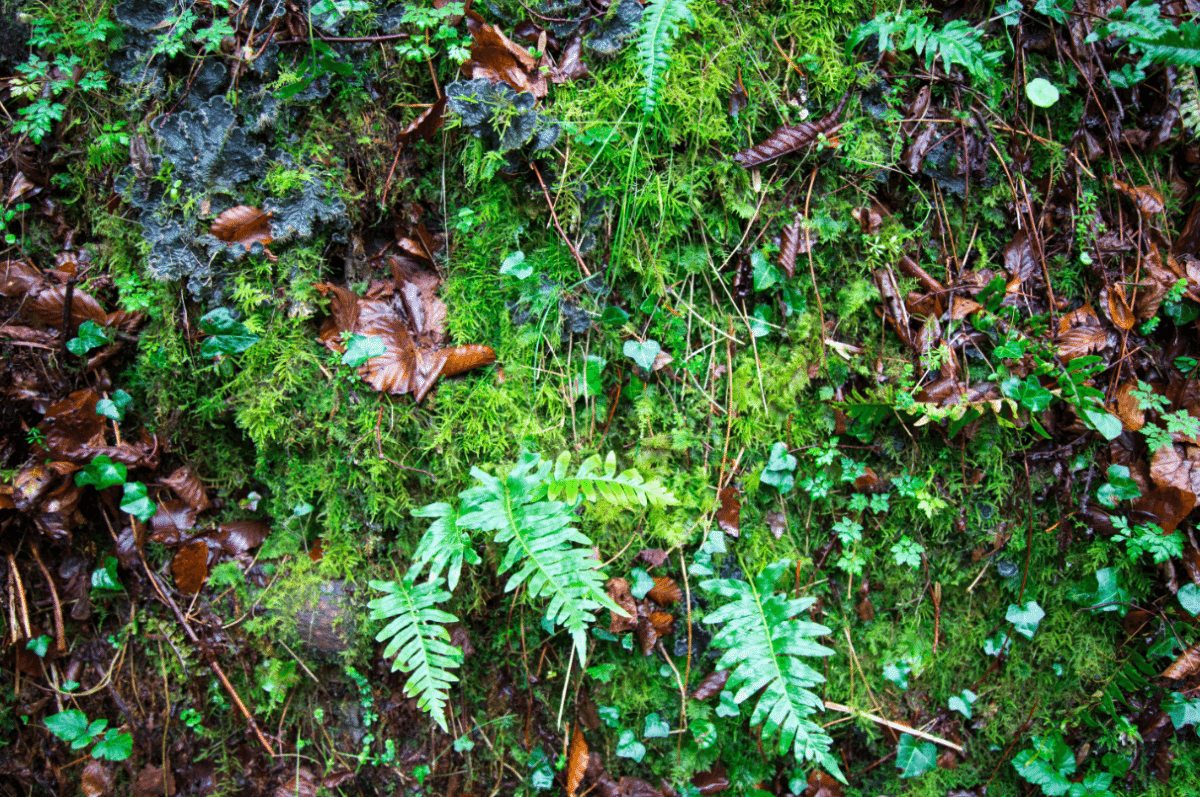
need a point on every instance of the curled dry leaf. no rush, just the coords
(240, 536)
(424, 126)
(190, 567)
(1019, 260)
(187, 486)
(1128, 408)
(790, 138)
(171, 519)
(711, 685)
(1148, 200)
(665, 591)
(243, 225)
(577, 761)
(618, 590)
(496, 57)
(730, 513)
(796, 241)
(1187, 664)
(1119, 311)
(662, 623)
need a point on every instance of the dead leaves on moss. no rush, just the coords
(406, 315)
(646, 616)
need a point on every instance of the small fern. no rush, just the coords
(763, 644)
(591, 482)
(1189, 106)
(552, 558)
(956, 43)
(660, 26)
(1159, 41)
(444, 545)
(418, 640)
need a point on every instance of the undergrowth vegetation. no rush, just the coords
(871, 325)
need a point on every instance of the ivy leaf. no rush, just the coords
(656, 728)
(361, 348)
(1103, 589)
(115, 746)
(1182, 711)
(602, 672)
(226, 335)
(114, 408)
(101, 473)
(629, 747)
(642, 353)
(514, 266)
(705, 733)
(106, 577)
(1189, 598)
(1118, 488)
(611, 715)
(962, 702)
(1047, 764)
(136, 503)
(642, 583)
(915, 758)
(727, 706)
(780, 468)
(765, 273)
(91, 336)
(897, 672)
(39, 646)
(1025, 618)
(997, 644)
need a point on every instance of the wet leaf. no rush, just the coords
(642, 352)
(497, 58)
(791, 138)
(106, 577)
(913, 757)
(712, 781)
(642, 583)
(424, 126)
(821, 784)
(656, 727)
(190, 567)
(1025, 619)
(187, 486)
(794, 242)
(172, 518)
(97, 779)
(730, 512)
(239, 536)
(1118, 308)
(577, 761)
(153, 780)
(711, 685)
(244, 225)
(1148, 200)
(91, 336)
(665, 591)
(361, 348)
(136, 503)
(226, 335)
(629, 747)
(101, 473)
(114, 408)
(776, 524)
(618, 590)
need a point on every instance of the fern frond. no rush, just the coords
(418, 640)
(763, 645)
(552, 558)
(1157, 39)
(598, 480)
(956, 43)
(1189, 106)
(660, 26)
(444, 545)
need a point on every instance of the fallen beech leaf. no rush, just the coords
(1169, 505)
(240, 536)
(711, 782)
(789, 138)
(187, 486)
(647, 634)
(244, 225)
(171, 518)
(496, 57)
(1118, 308)
(653, 557)
(424, 126)
(577, 761)
(618, 589)
(190, 567)
(730, 513)
(662, 623)
(1019, 260)
(821, 784)
(97, 779)
(795, 242)
(1129, 410)
(665, 591)
(1148, 200)
(1184, 666)
(711, 685)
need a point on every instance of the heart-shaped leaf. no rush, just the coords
(642, 353)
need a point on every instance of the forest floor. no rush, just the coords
(799, 397)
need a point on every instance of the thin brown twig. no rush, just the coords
(60, 637)
(554, 215)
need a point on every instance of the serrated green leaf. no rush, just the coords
(115, 746)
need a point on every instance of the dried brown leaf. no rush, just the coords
(790, 138)
(302, 784)
(577, 761)
(662, 623)
(1019, 260)
(243, 225)
(618, 590)
(796, 241)
(738, 98)
(190, 567)
(1148, 200)
(239, 536)
(47, 306)
(171, 519)
(1119, 310)
(97, 779)
(152, 781)
(18, 278)
(1187, 664)
(730, 513)
(665, 591)
(187, 486)
(424, 126)
(914, 154)
(636, 787)
(776, 524)
(571, 65)
(711, 685)
(1168, 506)
(496, 57)
(647, 634)
(1128, 408)
(895, 309)
(865, 610)
(653, 557)
(713, 781)
(821, 784)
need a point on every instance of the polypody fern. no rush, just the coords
(763, 644)
(551, 558)
(660, 26)
(956, 43)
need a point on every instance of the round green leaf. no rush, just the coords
(1041, 92)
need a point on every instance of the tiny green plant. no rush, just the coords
(91, 336)
(9, 215)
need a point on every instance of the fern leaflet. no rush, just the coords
(660, 26)
(763, 644)
(444, 545)
(956, 43)
(420, 643)
(626, 488)
(1156, 39)
(540, 540)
